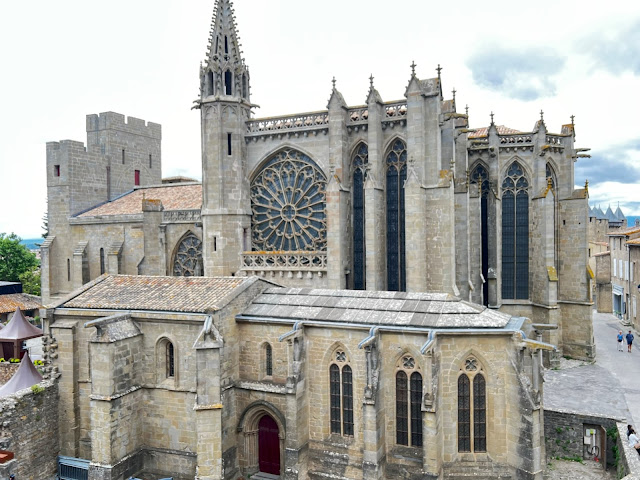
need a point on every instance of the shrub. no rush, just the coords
(36, 389)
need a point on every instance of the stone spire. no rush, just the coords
(224, 72)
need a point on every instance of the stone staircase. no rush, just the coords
(478, 470)
(264, 476)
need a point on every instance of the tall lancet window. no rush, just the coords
(358, 169)
(480, 178)
(396, 176)
(515, 234)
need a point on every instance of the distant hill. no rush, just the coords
(30, 243)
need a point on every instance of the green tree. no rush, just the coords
(31, 281)
(15, 258)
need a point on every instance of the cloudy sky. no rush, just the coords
(64, 59)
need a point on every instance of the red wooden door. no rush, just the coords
(268, 446)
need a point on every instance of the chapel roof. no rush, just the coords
(404, 309)
(23, 301)
(168, 294)
(624, 231)
(173, 197)
(484, 131)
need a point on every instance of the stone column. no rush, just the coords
(374, 197)
(337, 196)
(415, 228)
(152, 214)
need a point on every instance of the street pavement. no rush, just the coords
(608, 388)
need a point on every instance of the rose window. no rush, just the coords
(188, 257)
(288, 205)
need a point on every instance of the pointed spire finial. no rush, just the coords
(413, 68)
(466, 109)
(333, 81)
(491, 117)
(454, 93)
(573, 117)
(439, 69)
(586, 186)
(541, 116)
(371, 82)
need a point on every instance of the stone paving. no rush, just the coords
(568, 470)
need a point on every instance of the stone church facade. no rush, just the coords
(225, 377)
(346, 197)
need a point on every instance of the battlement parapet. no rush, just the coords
(66, 145)
(117, 121)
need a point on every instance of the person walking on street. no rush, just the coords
(629, 341)
(620, 341)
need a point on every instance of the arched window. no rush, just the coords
(187, 259)
(68, 270)
(228, 82)
(341, 395)
(515, 234)
(101, 261)
(408, 404)
(359, 174)
(226, 45)
(268, 360)
(210, 83)
(396, 168)
(480, 178)
(472, 408)
(170, 360)
(288, 204)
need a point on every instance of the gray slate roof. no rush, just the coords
(430, 310)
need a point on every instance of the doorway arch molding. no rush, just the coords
(248, 430)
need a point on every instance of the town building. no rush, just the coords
(331, 199)
(227, 377)
(621, 282)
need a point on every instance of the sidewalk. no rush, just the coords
(623, 366)
(609, 388)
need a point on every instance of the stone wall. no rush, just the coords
(563, 433)
(7, 370)
(29, 429)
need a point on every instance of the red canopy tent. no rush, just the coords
(25, 377)
(18, 330)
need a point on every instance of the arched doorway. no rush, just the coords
(268, 445)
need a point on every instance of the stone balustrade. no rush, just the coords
(302, 264)
(299, 122)
(181, 216)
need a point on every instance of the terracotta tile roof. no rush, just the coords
(173, 197)
(173, 294)
(11, 301)
(624, 231)
(635, 241)
(484, 131)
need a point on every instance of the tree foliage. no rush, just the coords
(31, 281)
(15, 258)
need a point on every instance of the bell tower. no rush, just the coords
(224, 109)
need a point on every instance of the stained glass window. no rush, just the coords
(416, 409)
(187, 261)
(268, 360)
(170, 360)
(480, 177)
(515, 234)
(288, 204)
(479, 414)
(395, 178)
(464, 414)
(358, 168)
(334, 393)
(347, 401)
(341, 398)
(402, 420)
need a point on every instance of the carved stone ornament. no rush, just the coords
(188, 257)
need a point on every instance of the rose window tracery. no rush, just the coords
(188, 257)
(288, 205)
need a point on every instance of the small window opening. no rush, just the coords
(150, 161)
(564, 222)
(108, 183)
(268, 360)
(123, 156)
(215, 244)
(228, 82)
(210, 83)
(56, 170)
(244, 86)
(101, 261)
(226, 45)
(137, 177)
(68, 270)
(228, 144)
(170, 361)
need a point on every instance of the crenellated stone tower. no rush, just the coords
(224, 107)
